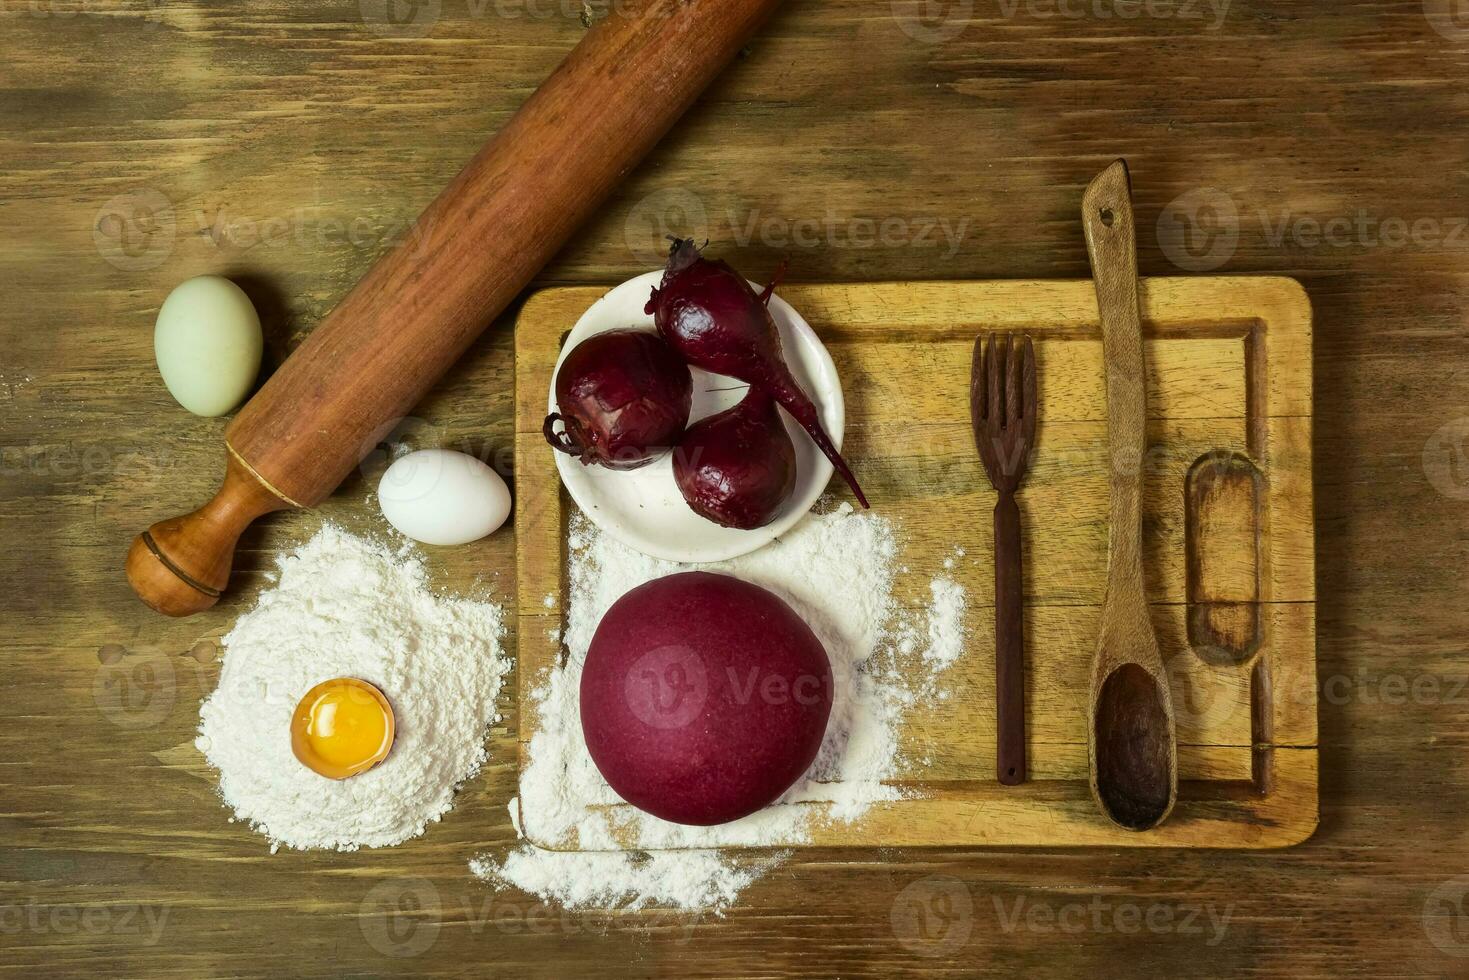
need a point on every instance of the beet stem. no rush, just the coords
(791, 396)
(803, 410)
(681, 254)
(780, 273)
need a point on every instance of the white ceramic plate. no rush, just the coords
(642, 508)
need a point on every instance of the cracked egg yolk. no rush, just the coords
(342, 727)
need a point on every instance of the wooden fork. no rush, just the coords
(1002, 408)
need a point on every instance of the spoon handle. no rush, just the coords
(1112, 241)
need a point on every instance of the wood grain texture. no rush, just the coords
(472, 251)
(293, 142)
(880, 330)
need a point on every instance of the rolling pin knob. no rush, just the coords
(180, 566)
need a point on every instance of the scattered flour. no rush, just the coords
(836, 570)
(346, 607)
(613, 879)
(945, 622)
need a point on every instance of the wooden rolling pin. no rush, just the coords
(417, 310)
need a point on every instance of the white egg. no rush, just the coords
(208, 345)
(438, 496)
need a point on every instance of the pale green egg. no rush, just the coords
(208, 344)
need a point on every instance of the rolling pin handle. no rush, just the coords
(180, 566)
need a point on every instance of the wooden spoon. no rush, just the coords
(1131, 743)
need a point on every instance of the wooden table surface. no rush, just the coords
(286, 143)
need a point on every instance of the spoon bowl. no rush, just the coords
(1134, 764)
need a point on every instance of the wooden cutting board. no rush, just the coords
(1228, 542)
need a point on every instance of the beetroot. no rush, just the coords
(623, 398)
(711, 316)
(737, 468)
(703, 697)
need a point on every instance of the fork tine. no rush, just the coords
(1014, 387)
(977, 396)
(994, 364)
(1029, 392)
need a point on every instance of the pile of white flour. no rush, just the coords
(836, 570)
(346, 607)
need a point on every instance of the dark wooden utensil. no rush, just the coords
(1002, 406)
(1130, 733)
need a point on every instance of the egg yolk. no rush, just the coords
(342, 727)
